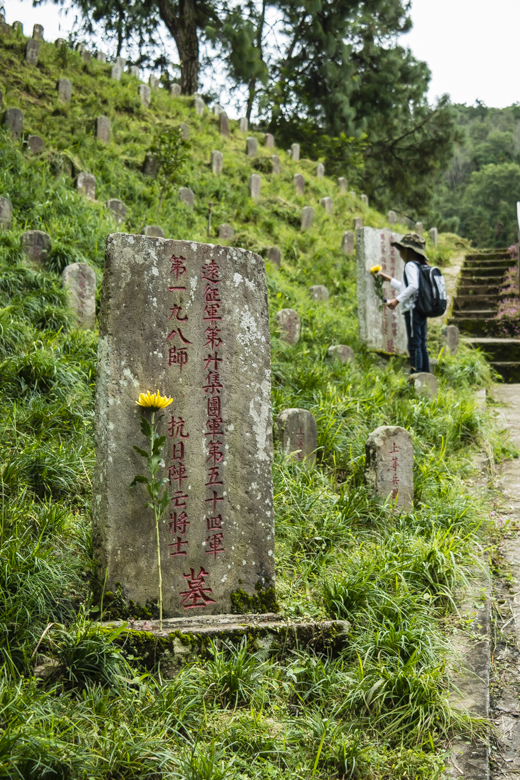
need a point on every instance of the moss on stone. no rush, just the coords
(261, 602)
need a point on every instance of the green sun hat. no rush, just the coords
(412, 241)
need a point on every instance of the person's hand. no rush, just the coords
(392, 304)
(385, 276)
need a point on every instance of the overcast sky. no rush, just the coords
(471, 46)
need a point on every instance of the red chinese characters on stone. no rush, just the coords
(198, 593)
(177, 473)
(299, 442)
(395, 465)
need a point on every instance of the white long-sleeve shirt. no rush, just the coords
(408, 295)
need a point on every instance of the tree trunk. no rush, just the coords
(183, 28)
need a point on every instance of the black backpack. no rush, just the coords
(432, 298)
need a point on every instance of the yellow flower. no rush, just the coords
(375, 269)
(154, 400)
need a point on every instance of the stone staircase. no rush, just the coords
(475, 307)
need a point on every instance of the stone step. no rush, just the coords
(491, 254)
(483, 271)
(501, 350)
(474, 302)
(468, 287)
(501, 261)
(476, 326)
(475, 314)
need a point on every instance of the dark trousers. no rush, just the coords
(417, 332)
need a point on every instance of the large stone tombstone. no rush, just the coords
(64, 88)
(450, 339)
(255, 184)
(274, 255)
(251, 146)
(434, 236)
(243, 124)
(79, 280)
(175, 90)
(6, 213)
(35, 144)
(347, 242)
(389, 465)
(424, 384)
(32, 51)
(223, 124)
(36, 246)
(269, 140)
(319, 292)
(307, 217)
(13, 120)
(225, 232)
(145, 95)
(206, 344)
(118, 209)
(103, 129)
(320, 171)
(380, 328)
(275, 161)
(187, 196)
(217, 162)
(341, 352)
(38, 32)
(327, 204)
(392, 217)
(342, 184)
(86, 185)
(116, 72)
(295, 152)
(198, 105)
(298, 433)
(288, 321)
(153, 230)
(299, 183)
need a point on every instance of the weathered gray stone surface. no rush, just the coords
(223, 124)
(380, 328)
(217, 109)
(59, 42)
(274, 255)
(450, 339)
(434, 236)
(207, 345)
(32, 51)
(64, 88)
(38, 32)
(133, 70)
(103, 129)
(269, 140)
(320, 171)
(364, 200)
(145, 95)
(6, 212)
(419, 228)
(101, 56)
(299, 183)
(154, 83)
(187, 196)
(392, 217)
(198, 105)
(251, 147)
(118, 209)
(36, 246)
(357, 223)
(79, 280)
(116, 72)
(121, 61)
(17, 27)
(389, 465)
(86, 185)
(35, 144)
(295, 152)
(342, 184)
(175, 90)
(86, 55)
(150, 166)
(424, 384)
(226, 232)
(275, 160)
(327, 204)
(243, 124)
(5, 29)
(298, 433)
(319, 292)
(347, 242)
(255, 184)
(153, 231)
(185, 130)
(217, 162)
(288, 321)
(341, 352)
(307, 217)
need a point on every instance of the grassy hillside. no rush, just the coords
(380, 710)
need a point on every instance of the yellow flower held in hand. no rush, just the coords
(153, 400)
(375, 269)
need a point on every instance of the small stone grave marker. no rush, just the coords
(269, 140)
(424, 384)
(319, 292)
(357, 223)
(116, 72)
(145, 95)
(481, 398)
(389, 465)
(187, 196)
(86, 185)
(59, 42)
(103, 129)
(364, 200)
(295, 152)
(86, 55)
(13, 120)
(5, 29)
(35, 144)
(217, 109)
(64, 88)
(32, 51)
(342, 184)
(243, 124)
(419, 228)
(121, 61)
(36, 246)
(223, 124)
(298, 433)
(327, 204)
(347, 243)
(6, 213)
(217, 162)
(299, 183)
(206, 344)
(133, 70)
(198, 105)
(154, 83)
(251, 147)
(392, 217)
(118, 209)
(175, 90)
(307, 217)
(275, 161)
(274, 255)
(101, 56)
(153, 231)
(150, 166)
(434, 236)
(18, 27)
(288, 321)
(38, 32)
(185, 131)
(255, 184)
(320, 171)
(341, 352)
(79, 280)
(450, 339)
(226, 232)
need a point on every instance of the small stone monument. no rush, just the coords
(133, 71)
(364, 199)
(275, 161)
(6, 213)
(187, 196)
(32, 51)
(251, 147)
(175, 90)
(101, 56)
(298, 433)
(389, 465)
(64, 88)
(116, 72)
(424, 384)
(217, 109)
(243, 124)
(217, 162)
(35, 144)
(154, 83)
(118, 209)
(288, 321)
(79, 280)
(380, 328)
(153, 231)
(185, 131)
(255, 183)
(121, 61)
(145, 95)
(434, 236)
(38, 32)
(197, 330)
(198, 105)
(342, 184)
(295, 152)
(299, 183)
(86, 185)
(341, 352)
(307, 217)
(150, 166)
(86, 56)
(223, 124)
(319, 293)
(392, 217)
(226, 232)
(450, 339)
(269, 140)
(320, 171)
(36, 246)
(5, 29)
(103, 129)
(357, 223)
(419, 228)
(274, 255)
(347, 243)
(326, 203)
(13, 120)
(17, 27)
(59, 42)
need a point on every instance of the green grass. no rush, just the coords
(377, 711)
